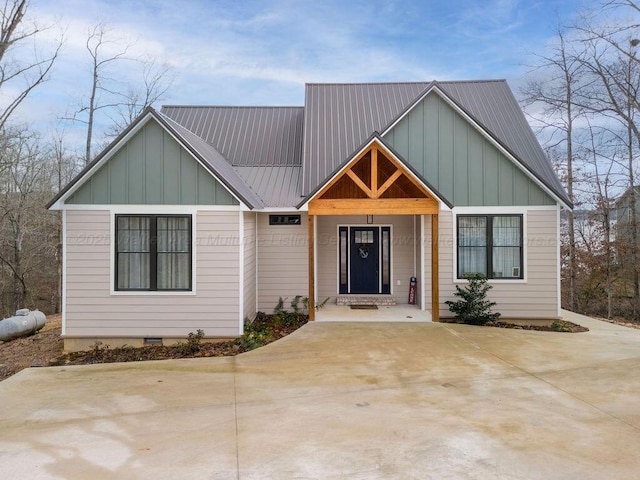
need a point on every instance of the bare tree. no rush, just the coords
(155, 82)
(27, 241)
(557, 92)
(20, 72)
(612, 64)
(120, 101)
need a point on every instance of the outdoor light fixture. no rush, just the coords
(369, 219)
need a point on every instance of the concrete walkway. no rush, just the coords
(342, 401)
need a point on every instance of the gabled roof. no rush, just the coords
(340, 117)
(246, 136)
(265, 157)
(263, 144)
(208, 156)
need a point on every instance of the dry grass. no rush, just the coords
(34, 351)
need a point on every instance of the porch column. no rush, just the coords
(435, 287)
(312, 269)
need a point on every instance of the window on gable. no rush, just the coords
(153, 252)
(490, 245)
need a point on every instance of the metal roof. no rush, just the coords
(218, 164)
(277, 186)
(338, 118)
(258, 152)
(246, 136)
(493, 105)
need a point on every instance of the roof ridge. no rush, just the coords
(234, 106)
(488, 80)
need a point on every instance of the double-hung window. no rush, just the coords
(153, 252)
(490, 245)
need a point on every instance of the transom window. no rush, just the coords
(153, 252)
(490, 245)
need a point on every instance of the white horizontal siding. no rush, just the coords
(535, 298)
(283, 261)
(92, 311)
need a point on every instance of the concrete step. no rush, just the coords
(380, 300)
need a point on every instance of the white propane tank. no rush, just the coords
(24, 323)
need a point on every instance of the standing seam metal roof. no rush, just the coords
(338, 118)
(246, 136)
(263, 144)
(281, 161)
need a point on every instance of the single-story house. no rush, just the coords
(197, 217)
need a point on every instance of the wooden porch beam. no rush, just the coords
(370, 206)
(387, 184)
(356, 179)
(374, 171)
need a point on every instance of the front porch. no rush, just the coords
(332, 312)
(372, 228)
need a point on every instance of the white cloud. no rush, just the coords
(262, 52)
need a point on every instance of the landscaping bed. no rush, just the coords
(555, 326)
(45, 348)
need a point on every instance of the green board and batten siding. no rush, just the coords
(152, 168)
(458, 161)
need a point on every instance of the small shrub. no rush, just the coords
(558, 326)
(473, 307)
(193, 343)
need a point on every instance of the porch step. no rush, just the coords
(380, 300)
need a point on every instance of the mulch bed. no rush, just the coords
(561, 326)
(558, 326)
(262, 331)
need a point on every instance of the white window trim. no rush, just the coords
(494, 211)
(155, 210)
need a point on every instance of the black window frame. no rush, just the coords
(285, 219)
(489, 246)
(153, 253)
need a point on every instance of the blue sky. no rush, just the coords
(262, 52)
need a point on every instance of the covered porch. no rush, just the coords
(371, 228)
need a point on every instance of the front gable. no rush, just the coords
(373, 181)
(458, 160)
(151, 167)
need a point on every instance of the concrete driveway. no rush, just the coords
(342, 401)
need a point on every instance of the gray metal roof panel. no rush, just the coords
(246, 136)
(278, 186)
(338, 118)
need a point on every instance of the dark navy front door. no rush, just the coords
(364, 260)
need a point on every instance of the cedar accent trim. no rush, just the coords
(374, 206)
